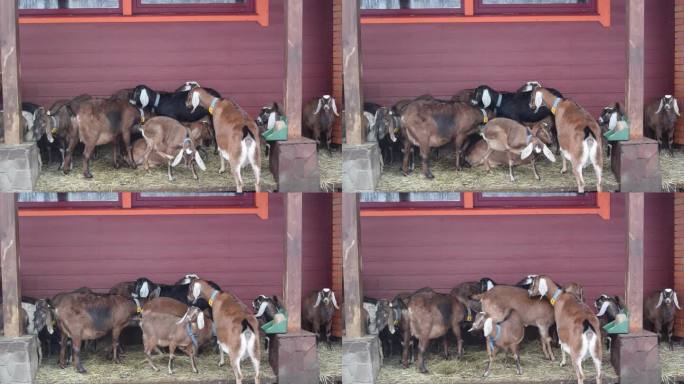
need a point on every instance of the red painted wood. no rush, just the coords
(243, 254)
(242, 60)
(585, 61)
(405, 254)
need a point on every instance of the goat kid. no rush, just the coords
(318, 117)
(659, 311)
(506, 335)
(578, 327)
(660, 117)
(608, 308)
(579, 136)
(237, 135)
(318, 309)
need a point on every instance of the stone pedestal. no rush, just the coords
(636, 358)
(294, 164)
(19, 167)
(636, 165)
(361, 360)
(18, 360)
(294, 358)
(361, 167)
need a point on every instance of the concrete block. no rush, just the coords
(18, 360)
(361, 360)
(294, 164)
(294, 358)
(19, 167)
(361, 167)
(636, 358)
(636, 165)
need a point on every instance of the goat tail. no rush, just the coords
(247, 135)
(589, 134)
(587, 327)
(247, 339)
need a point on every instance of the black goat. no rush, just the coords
(146, 289)
(170, 104)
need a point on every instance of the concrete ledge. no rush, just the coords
(294, 164)
(361, 167)
(19, 167)
(636, 358)
(294, 358)
(361, 360)
(636, 165)
(18, 360)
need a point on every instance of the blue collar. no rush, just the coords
(554, 108)
(555, 297)
(493, 339)
(188, 329)
(213, 105)
(213, 297)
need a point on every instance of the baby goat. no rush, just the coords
(506, 335)
(318, 309)
(578, 328)
(237, 135)
(579, 136)
(165, 136)
(513, 138)
(659, 310)
(660, 117)
(318, 117)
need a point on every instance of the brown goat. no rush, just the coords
(432, 315)
(174, 142)
(237, 330)
(318, 117)
(237, 135)
(505, 335)
(579, 135)
(434, 123)
(500, 300)
(578, 328)
(399, 319)
(125, 289)
(660, 117)
(99, 122)
(318, 309)
(88, 316)
(659, 311)
(514, 139)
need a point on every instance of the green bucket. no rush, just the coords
(278, 132)
(618, 134)
(276, 327)
(618, 327)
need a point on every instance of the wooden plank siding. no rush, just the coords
(679, 259)
(242, 253)
(405, 254)
(242, 60)
(584, 60)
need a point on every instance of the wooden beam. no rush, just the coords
(635, 68)
(351, 265)
(351, 59)
(9, 265)
(293, 261)
(293, 67)
(9, 52)
(635, 261)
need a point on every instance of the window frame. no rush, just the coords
(249, 7)
(72, 11)
(64, 204)
(414, 12)
(244, 200)
(587, 200)
(590, 8)
(444, 204)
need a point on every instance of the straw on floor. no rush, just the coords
(469, 368)
(672, 363)
(135, 368)
(672, 169)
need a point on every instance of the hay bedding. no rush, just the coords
(672, 168)
(672, 363)
(477, 179)
(135, 368)
(469, 368)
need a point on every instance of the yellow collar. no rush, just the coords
(485, 118)
(213, 297)
(554, 108)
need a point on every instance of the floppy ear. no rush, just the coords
(200, 320)
(334, 107)
(527, 151)
(185, 316)
(549, 155)
(538, 99)
(543, 287)
(675, 106)
(486, 98)
(262, 309)
(318, 108)
(199, 161)
(196, 290)
(676, 302)
(660, 300)
(490, 285)
(271, 120)
(488, 325)
(144, 98)
(195, 101)
(334, 301)
(660, 107)
(318, 300)
(604, 307)
(178, 158)
(144, 289)
(613, 121)
(48, 321)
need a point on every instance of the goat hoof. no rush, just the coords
(88, 175)
(81, 370)
(429, 176)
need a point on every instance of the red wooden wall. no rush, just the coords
(584, 60)
(242, 253)
(405, 254)
(242, 60)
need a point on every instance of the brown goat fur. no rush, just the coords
(235, 326)
(499, 301)
(318, 117)
(660, 312)
(434, 123)
(579, 135)
(578, 327)
(88, 316)
(399, 319)
(124, 288)
(506, 335)
(237, 135)
(318, 309)
(432, 315)
(660, 118)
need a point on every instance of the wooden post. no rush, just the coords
(9, 50)
(635, 261)
(293, 261)
(293, 67)
(351, 239)
(635, 68)
(9, 265)
(351, 54)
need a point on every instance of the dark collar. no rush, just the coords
(193, 337)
